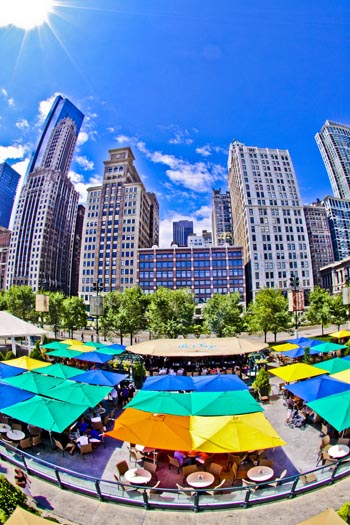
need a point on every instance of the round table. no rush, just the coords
(338, 451)
(15, 435)
(260, 473)
(138, 476)
(4, 428)
(200, 480)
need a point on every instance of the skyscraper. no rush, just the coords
(268, 218)
(338, 213)
(181, 231)
(41, 246)
(334, 144)
(9, 179)
(221, 218)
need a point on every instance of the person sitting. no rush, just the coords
(95, 418)
(82, 426)
(81, 440)
(163, 371)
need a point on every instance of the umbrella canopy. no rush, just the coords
(71, 342)
(60, 370)
(196, 403)
(45, 413)
(340, 335)
(9, 371)
(117, 346)
(327, 517)
(299, 352)
(296, 372)
(333, 366)
(80, 393)
(303, 341)
(55, 345)
(317, 387)
(99, 377)
(64, 353)
(329, 347)
(218, 383)
(285, 347)
(343, 376)
(27, 362)
(197, 347)
(9, 395)
(95, 344)
(334, 409)
(168, 382)
(23, 517)
(32, 382)
(94, 357)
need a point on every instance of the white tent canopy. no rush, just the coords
(12, 327)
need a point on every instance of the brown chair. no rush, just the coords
(265, 463)
(152, 468)
(184, 491)
(325, 443)
(36, 441)
(60, 447)
(16, 426)
(343, 441)
(324, 429)
(135, 455)
(249, 484)
(208, 461)
(215, 490)
(237, 473)
(277, 481)
(308, 478)
(187, 470)
(98, 425)
(231, 459)
(215, 469)
(34, 431)
(125, 488)
(122, 467)
(86, 449)
(173, 462)
(25, 443)
(152, 490)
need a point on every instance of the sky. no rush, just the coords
(177, 81)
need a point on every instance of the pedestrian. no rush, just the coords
(92, 337)
(82, 337)
(23, 481)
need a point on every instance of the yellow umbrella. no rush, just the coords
(27, 362)
(296, 372)
(327, 517)
(341, 334)
(342, 376)
(23, 517)
(71, 342)
(285, 347)
(80, 348)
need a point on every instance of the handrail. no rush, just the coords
(188, 499)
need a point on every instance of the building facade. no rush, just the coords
(181, 231)
(9, 179)
(120, 218)
(320, 240)
(334, 144)
(5, 237)
(41, 246)
(78, 232)
(221, 218)
(199, 241)
(205, 271)
(268, 218)
(338, 214)
(335, 277)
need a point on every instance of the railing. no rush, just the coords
(188, 499)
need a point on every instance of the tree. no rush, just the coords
(21, 303)
(338, 310)
(131, 315)
(262, 382)
(10, 498)
(170, 312)
(55, 314)
(223, 314)
(268, 313)
(319, 311)
(110, 321)
(74, 314)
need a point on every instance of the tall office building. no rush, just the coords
(338, 214)
(334, 144)
(5, 237)
(41, 246)
(120, 217)
(77, 249)
(9, 179)
(320, 240)
(221, 218)
(268, 218)
(181, 231)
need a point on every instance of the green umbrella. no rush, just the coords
(95, 344)
(334, 409)
(45, 413)
(63, 371)
(328, 347)
(55, 345)
(80, 393)
(333, 366)
(32, 382)
(65, 353)
(109, 351)
(196, 403)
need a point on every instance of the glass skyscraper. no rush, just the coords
(9, 179)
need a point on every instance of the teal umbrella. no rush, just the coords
(32, 382)
(55, 345)
(64, 353)
(80, 393)
(62, 371)
(328, 347)
(334, 409)
(333, 366)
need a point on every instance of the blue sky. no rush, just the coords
(178, 81)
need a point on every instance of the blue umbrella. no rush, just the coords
(169, 382)
(219, 383)
(305, 341)
(317, 387)
(99, 377)
(120, 348)
(10, 395)
(94, 357)
(299, 352)
(9, 371)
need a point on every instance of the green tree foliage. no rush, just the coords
(111, 322)
(344, 512)
(268, 313)
(3, 301)
(9, 355)
(21, 303)
(132, 311)
(338, 310)
(262, 382)
(36, 352)
(54, 316)
(10, 498)
(223, 314)
(307, 357)
(319, 311)
(170, 312)
(74, 314)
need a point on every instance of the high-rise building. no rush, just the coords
(120, 218)
(5, 237)
(197, 241)
(334, 144)
(268, 218)
(181, 231)
(338, 213)
(9, 179)
(77, 249)
(221, 218)
(320, 240)
(41, 246)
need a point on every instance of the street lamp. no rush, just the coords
(96, 304)
(295, 299)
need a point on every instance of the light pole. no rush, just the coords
(294, 283)
(96, 305)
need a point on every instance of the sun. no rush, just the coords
(25, 14)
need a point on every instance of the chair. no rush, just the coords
(152, 468)
(86, 449)
(238, 474)
(324, 430)
(308, 478)
(60, 447)
(135, 455)
(184, 491)
(173, 462)
(208, 461)
(25, 443)
(215, 490)
(327, 459)
(188, 470)
(122, 467)
(125, 488)
(265, 463)
(249, 484)
(215, 469)
(16, 426)
(231, 459)
(34, 431)
(343, 441)
(325, 443)
(277, 481)
(152, 490)
(264, 396)
(98, 425)
(36, 441)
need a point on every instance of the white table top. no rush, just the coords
(200, 480)
(138, 476)
(260, 473)
(338, 451)
(145, 450)
(16, 435)
(4, 427)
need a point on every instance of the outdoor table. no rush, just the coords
(4, 428)
(138, 476)
(338, 451)
(200, 480)
(147, 451)
(260, 473)
(15, 435)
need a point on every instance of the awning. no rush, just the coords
(94, 357)
(9, 371)
(60, 370)
(27, 362)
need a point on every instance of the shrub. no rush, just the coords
(10, 498)
(262, 381)
(344, 512)
(9, 355)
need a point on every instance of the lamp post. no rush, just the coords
(96, 305)
(294, 284)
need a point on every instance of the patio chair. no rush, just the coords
(231, 459)
(324, 430)
(36, 441)
(265, 463)
(249, 484)
(17, 426)
(125, 488)
(25, 443)
(98, 425)
(135, 455)
(308, 478)
(215, 490)
(343, 441)
(277, 481)
(34, 431)
(173, 462)
(186, 471)
(208, 461)
(325, 443)
(215, 469)
(184, 491)
(60, 447)
(122, 467)
(86, 449)
(237, 473)
(152, 468)
(152, 490)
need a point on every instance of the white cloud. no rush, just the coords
(22, 124)
(205, 151)
(10, 101)
(181, 137)
(21, 167)
(84, 162)
(82, 138)
(81, 185)
(12, 152)
(122, 139)
(45, 106)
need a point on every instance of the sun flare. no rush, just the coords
(25, 14)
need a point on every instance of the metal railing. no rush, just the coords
(187, 499)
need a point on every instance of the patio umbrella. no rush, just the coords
(10, 395)
(60, 370)
(95, 344)
(79, 393)
(9, 371)
(329, 347)
(71, 342)
(285, 347)
(341, 334)
(46, 413)
(317, 387)
(27, 362)
(94, 357)
(108, 350)
(117, 346)
(196, 403)
(32, 382)
(334, 409)
(327, 517)
(197, 347)
(343, 376)
(338, 364)
(299, 352)
(296, 372)
(99, 377)
(64, 353)
(218, 383)
(303, 341)
(169, 382)
(55, 345)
